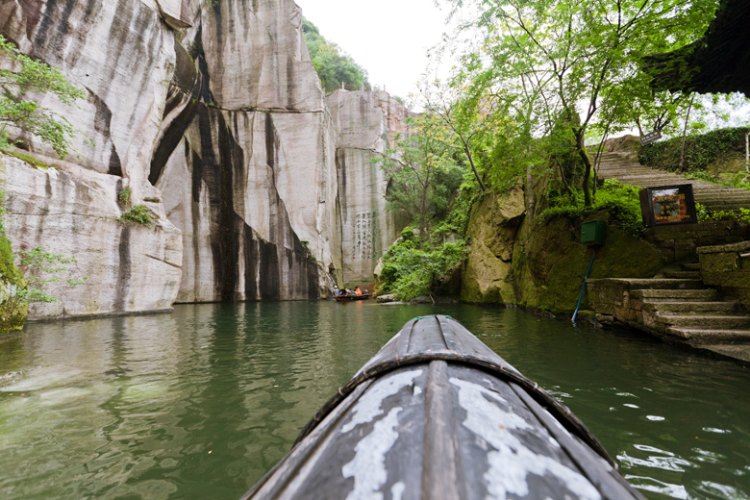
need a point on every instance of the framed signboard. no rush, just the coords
(668, 205)
(650, 138)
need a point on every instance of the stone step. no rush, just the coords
(681, 274)
(717, 321)
(707, 335)
(691, 307)
(661, 283)
(691, 266)
(704, 294)
(722, 196)
(736, 350)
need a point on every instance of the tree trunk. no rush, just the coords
(581, 147)
(684, 135)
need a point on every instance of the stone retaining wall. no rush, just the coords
(728, 267)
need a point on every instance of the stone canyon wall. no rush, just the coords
(212, 116)
(368, 123)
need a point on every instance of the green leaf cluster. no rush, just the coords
(413, 267)
(41, 268)
(706, 215)
(333, 66)
(21, 76)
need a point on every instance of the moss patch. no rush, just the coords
(549, 263)
(13, 307)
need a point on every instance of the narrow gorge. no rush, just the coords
(210, 117)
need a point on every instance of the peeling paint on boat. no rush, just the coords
(397, 490)
(511, 462)
(369, 405)
(368, 465)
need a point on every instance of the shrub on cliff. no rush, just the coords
(139, 214)
(13, 306)
(20, 76)
(621, 201)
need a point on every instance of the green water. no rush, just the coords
(200, 403)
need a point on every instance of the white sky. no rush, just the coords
(388, 38)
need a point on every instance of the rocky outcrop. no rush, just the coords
(518, 257)
(102, 265)
(487, 276)
(368, 123)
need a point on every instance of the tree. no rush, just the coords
(333, 67)
(20, 76)
(547, 58)
(423, 176)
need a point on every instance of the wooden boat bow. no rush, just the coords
(437, 414)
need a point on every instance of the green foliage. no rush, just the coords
(424, 177)
(700, 150)
(539, 61)
(21, 76)
(621, 201)
(334, 67)
(124, 197)
(706, 215)
(42, 268)
(139, 214)
(739, 180)
(413, 267)
(8, 269)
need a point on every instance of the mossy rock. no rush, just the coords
(13, 308)
(492, 231)
(550, 262)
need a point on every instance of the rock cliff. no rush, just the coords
(211, 115)
(245, 157)
(368, 123)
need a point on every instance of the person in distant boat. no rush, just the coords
(358, 292)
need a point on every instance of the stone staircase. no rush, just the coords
(624, 167)
(677, 306)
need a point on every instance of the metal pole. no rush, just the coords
(582, 291)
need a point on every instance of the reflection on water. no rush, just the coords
(202, 402)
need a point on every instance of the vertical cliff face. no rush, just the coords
(367, 123)
(245, 157)
(211, 113)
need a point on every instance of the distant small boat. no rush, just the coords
(436, 414)
(351, 297)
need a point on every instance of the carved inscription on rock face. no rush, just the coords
(363, 231)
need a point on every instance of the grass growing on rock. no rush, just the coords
(700, 150)
(124, 197)
(139, 214)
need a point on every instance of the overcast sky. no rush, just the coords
(389, 38)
